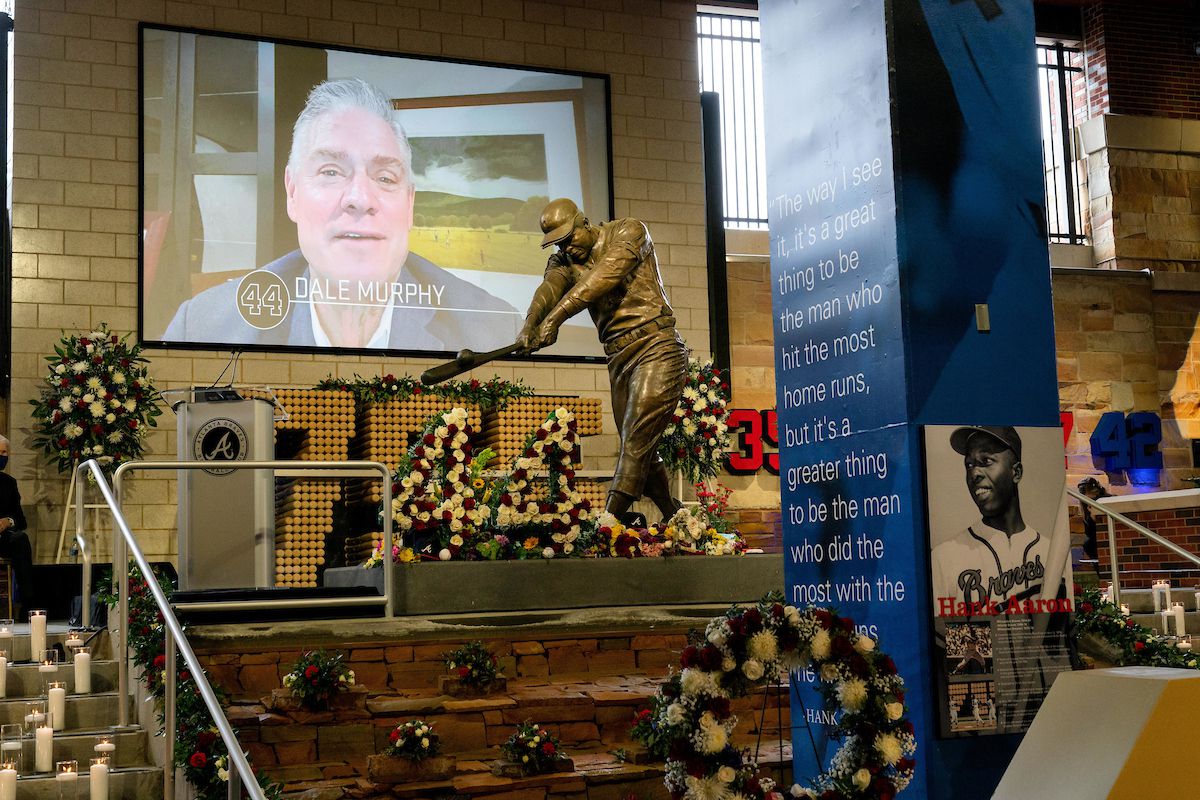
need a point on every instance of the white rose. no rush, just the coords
(726, 774)
(89, 398)
(894, 711)
(862, 779)
(675, 714)
(864, 644)
(548, 552)
(752, 669)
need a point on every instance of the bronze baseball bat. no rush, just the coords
(465, 360)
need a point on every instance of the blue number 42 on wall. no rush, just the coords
(1128, 442)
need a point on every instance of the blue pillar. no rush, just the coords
(905, 189)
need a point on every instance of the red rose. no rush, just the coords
(310, 671)
(160, 661)
(394, 736)
(1139, 646)
(205, 739)
(198, 760)
(1085, 607)
(548, 748)
(464, 672)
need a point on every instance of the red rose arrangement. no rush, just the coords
(474, 665)
(533, 748)
(316, 677)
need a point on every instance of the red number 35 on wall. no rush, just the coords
(757, 431)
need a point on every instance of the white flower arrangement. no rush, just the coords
(439, 459)
(97, 401)
(695, 440)
(563, 510)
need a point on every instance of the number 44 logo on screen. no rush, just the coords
(1128, 442)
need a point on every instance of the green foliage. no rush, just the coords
(415, 740)
(494, 393)
(1137, 644)
(199, 749)
(473, 664)
(317, 676)
(534, 748)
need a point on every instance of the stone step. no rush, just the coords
(88, 711)
(131, 783)
(18, 646)
(1142, 600)
(25, 680)
(598, 775)
(294, 745)
(80, 745)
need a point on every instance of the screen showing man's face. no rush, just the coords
(992, 474)
(349, 199)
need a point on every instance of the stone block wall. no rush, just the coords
(75, 182)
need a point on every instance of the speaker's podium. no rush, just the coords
(226, 516)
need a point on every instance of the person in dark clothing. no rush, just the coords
(14, 542)
(1090, 487)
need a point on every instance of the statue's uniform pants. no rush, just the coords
(647, 378)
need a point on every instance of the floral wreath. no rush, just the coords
(690, 720)
(493, 393)
(97, 401)
(563, 510)
(435, 492)
(695, 440)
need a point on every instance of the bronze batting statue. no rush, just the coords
(611, 270)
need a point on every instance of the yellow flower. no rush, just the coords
(477, 483)
(669, 532)
(407, 555)
(530, 543)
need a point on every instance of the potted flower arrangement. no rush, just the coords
(474, 671)
(532, 750)
(411, 755)
(317, 679)
(97, 401)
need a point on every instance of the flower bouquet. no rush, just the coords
(474, 671)
(411, 755)
(695, 440)
(317, 678)
(97, 401)
(532, 750)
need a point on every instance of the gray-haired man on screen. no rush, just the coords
(353, 283)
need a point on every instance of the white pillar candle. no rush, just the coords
(3, 676)
(1198, 601)
(43, 749)
(1163, 615)
(37, 634)
(1177, 610)
(6, 634)
(58, 705)
(105, 747)
(8, 784)
(98, 783)
(1166, 594)
(83, 672)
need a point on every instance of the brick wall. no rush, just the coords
(1142, 562)
(1141, 58)
(75, 176)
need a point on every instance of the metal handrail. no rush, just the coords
(81, 542)
(320, 469)
(1113, 518)
(174, 637)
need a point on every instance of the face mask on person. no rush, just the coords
(3, 462)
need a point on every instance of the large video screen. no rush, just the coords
(308, 197)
